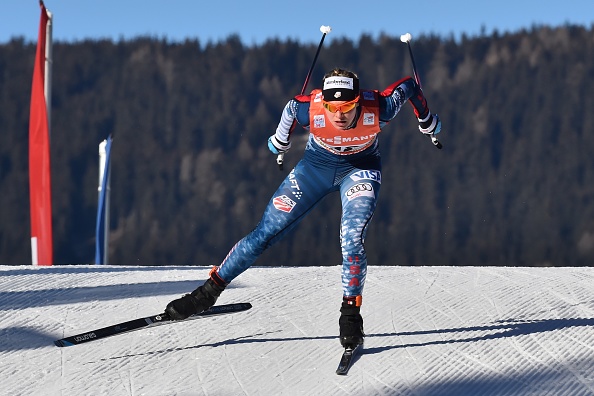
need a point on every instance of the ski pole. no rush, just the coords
(325, 30)
(406, 38)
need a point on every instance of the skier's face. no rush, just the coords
(341, 114)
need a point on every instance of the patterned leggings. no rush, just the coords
(358, 179)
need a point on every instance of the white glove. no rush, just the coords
(276, 146)
(431, 125)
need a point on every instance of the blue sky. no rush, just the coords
(256, 21)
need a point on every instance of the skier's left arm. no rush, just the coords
(393, 97)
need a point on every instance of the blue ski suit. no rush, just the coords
(321, 171)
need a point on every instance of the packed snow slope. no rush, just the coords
(430, 331)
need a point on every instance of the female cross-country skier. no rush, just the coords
(342, 154)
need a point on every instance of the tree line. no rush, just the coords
(191, 173)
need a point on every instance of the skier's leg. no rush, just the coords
(359, 199)
(297, 195)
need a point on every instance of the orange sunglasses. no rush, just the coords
(343, 108)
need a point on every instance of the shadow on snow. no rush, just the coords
(512, 329)
(507, 329)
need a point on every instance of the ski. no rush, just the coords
(148, 321)
(348, 357)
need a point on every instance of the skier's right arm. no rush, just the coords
(295, 110)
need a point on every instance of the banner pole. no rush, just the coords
(39, 150)
(48, 71)
(103, 204)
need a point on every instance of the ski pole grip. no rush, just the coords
(279, 160)
(435, 142)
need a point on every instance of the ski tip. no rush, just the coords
(349, 356)
(62, 343)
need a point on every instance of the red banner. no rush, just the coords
(39, 157)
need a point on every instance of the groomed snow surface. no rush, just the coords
(430, 331)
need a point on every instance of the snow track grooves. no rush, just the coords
(430, 331)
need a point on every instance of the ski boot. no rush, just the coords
(199, 300)
(351, 323)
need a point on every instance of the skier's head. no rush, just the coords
(340, 85)
(341, 97)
